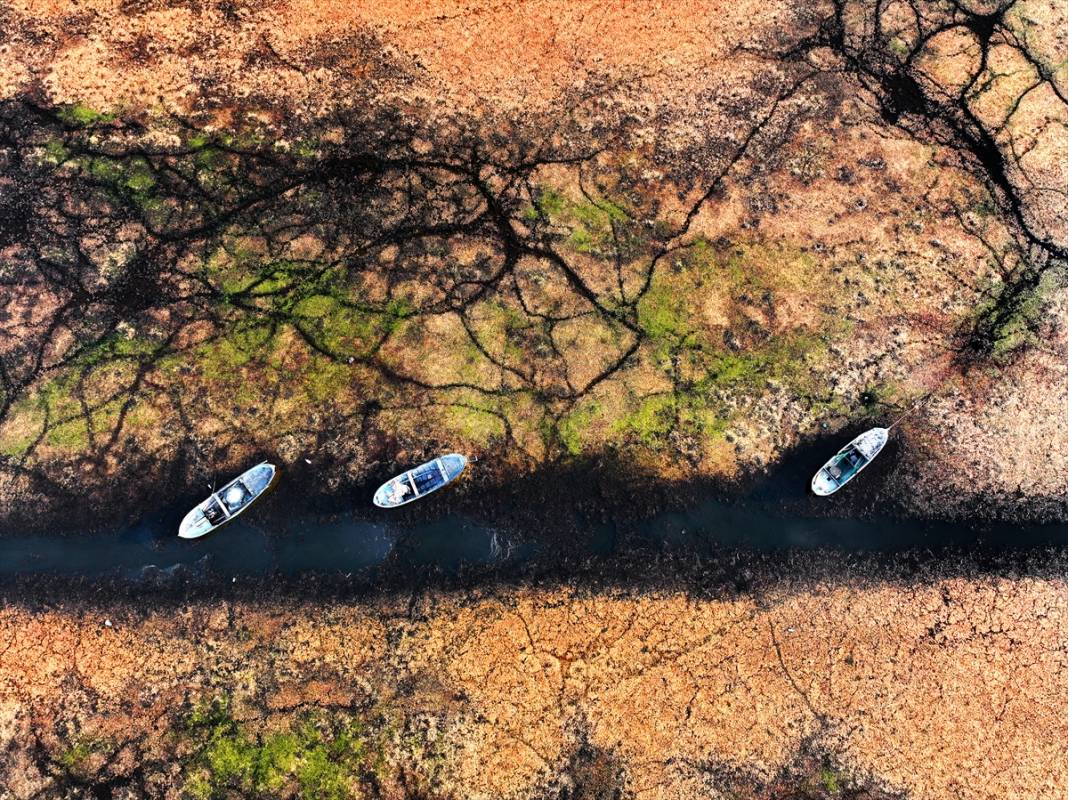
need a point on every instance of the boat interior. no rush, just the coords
(213, 512)
(235, 496)
(846, 463)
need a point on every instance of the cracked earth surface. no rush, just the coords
(936, 691)
(951, 688)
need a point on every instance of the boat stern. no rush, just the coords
(823, 484)
(194, 525)
(388, 495)
(381, 497)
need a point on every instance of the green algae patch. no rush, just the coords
(1008, 318)
(85, 401)
(316, 756)
(574, 429)
(84, 116)
(598, 225)
(476, 423)
(319, 757)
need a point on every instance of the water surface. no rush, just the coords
(358, 542)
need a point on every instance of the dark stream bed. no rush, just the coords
(352, 542)
(508, 530)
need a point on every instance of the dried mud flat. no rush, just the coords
(952, 689)
(684, 236)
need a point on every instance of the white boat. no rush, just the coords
(228, 502)
(420, 481)
(847, 463)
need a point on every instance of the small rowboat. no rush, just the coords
(849, 461)
(420, 481)
(228, 502)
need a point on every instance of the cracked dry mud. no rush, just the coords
(949, 690)
(903, 170)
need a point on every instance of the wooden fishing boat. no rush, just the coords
(420, 481)
(847, 463)
(225, 504)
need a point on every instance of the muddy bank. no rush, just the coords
(572, 526)
(947, 688)
(556, 504)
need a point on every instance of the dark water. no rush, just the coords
(776, 514)
(259, 543)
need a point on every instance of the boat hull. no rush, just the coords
(420, 481)
(868, 445)
(252, 483)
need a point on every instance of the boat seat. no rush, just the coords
(213, 512)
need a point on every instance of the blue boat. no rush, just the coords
(420, 481)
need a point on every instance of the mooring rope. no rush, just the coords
(912, 408)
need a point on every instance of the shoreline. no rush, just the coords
(553, 495)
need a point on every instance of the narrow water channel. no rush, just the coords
(346, 543)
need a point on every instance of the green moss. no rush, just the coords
(76, 755)
(72, 435)
(595, 213)
(1006, 322)
(397, 311)
(582, 240)
(338, 327)
(55, 151)
(16, 446)
(106, 170)
(208, 713)
(236, 269)
(572, 429)
(323, 379)
(652, 420)
(712, 380)
(592, 226)
(325, 758)
(131, 178)
(320, 778)
(306, 149)
(115, 347)
(548, 202)
(221, 358)
(83, 115)
(830, 781)
(590, 222)
(663, 315)
(140, 181)
(74, 758)
(58, 400)
(474, 423)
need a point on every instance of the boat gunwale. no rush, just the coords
(409, 473)
(851, 443)
(215, 495)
